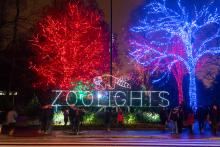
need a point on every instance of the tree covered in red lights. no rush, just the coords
(70, 45)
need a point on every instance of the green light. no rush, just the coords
(151, 117)
(89, 118)
(130, 119)
(82, 89)
(58, 119)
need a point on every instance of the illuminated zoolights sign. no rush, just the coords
(111, 98)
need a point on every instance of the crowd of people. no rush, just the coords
(176, 118)
(182, 117)
(74, 115)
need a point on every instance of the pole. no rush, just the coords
(111, 42)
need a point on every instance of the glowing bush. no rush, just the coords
(89, 118)
(151, 117)
(58, 119)
(130, 119)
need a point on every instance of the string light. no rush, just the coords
(161, 27)
(102, 82)
(70, 45)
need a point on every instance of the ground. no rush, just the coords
(116, 137)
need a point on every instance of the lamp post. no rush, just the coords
(111, 42)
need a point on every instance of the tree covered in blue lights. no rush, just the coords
(164, 33)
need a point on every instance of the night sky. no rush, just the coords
(121, 13)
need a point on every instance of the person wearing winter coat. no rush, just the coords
(190, 120)
(173, 118)
(214, 119)
(120, 119)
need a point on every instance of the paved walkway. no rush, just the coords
(136, 134)
(154, 134)
(88, 138)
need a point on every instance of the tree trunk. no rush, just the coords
(180, 90)
(192, 89)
